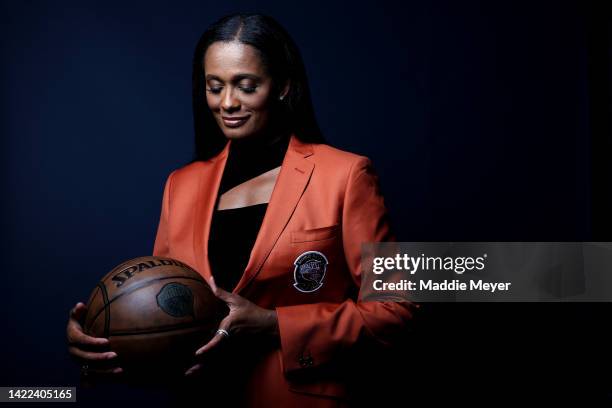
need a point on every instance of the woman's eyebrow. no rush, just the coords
(235, 78)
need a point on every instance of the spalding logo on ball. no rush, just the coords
(156, 312)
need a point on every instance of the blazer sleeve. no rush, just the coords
(312, 334)
(162, 246)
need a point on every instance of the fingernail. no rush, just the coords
(117, 370)
(112, 354)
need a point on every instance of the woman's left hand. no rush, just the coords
(244, 318)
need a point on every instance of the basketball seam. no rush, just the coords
(160, 330)
(106, 309)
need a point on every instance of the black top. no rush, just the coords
(233, 231)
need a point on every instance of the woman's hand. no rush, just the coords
(86, 349)
(244, 318)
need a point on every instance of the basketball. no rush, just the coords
(156, 312)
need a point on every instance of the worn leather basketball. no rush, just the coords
(156, 312)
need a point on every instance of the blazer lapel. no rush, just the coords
(290, 185)
(208, 188)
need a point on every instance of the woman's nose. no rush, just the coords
(229, 102)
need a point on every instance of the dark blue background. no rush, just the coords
(481, 119)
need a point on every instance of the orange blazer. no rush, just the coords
(305, 263)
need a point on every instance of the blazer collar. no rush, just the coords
(290, 185)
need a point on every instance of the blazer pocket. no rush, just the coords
(317, 234)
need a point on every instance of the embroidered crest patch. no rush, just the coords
(309, 271)
(176, 300)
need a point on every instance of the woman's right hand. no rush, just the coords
(86, 349)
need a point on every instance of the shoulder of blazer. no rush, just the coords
(190, 174)
(185, 180)
(189, 171)
(323, 153)
(329, 160)
(330, 153)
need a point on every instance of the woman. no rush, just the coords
(278, 218)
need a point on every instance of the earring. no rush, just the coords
(281, 98)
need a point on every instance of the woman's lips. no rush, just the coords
(235, 121)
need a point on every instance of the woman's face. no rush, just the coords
(238, 89)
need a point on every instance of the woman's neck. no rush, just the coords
(264, 141)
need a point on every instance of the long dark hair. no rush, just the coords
(283, 61)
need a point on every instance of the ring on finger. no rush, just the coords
(223, 332)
